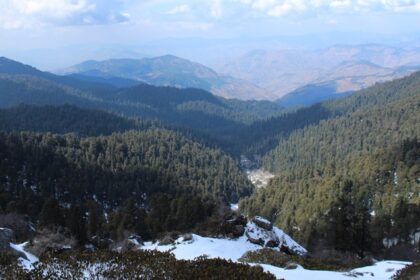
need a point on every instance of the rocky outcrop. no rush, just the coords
(233, 226)
(262, 232)
(135, 239)
(261, 236)
(7, 236)
(262, 223)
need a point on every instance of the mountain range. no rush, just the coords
(343, 68)
(172, 71)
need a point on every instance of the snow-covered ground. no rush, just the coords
(30, 259)
(234, 249)
(379, 271)
(206, 246)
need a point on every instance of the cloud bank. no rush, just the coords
(32, 13)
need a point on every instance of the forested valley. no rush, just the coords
(94, 162)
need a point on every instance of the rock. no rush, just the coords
(167, 240)
(135, 239)
(262, 223)
(285, 249)
(6, 237)
(272, 243)
(291, 265)
(187, 237)
(253, 239)
(238, 230)
(261, 236)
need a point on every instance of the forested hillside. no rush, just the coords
(264, 135)
(352, 177)
(43, 175)
(66, 119)
(188, 108)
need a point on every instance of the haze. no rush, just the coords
(51, 34)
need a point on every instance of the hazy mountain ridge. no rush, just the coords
(173, 71)
(189, 108)
(284, 71)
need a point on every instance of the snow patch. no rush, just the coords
(30, 260)
(234, 206)
(383, 270)
(259, 177)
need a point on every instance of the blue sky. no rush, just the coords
(34, 25)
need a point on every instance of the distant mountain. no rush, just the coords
(352, 67)
(173, 71)
(347, 77)
(108, 80)
(310, 94)
(186, 108)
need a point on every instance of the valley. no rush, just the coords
(103, 163)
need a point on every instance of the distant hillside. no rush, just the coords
(173, 71)
(343, 79)
(189, 108)
(350, 67)
(310, 94)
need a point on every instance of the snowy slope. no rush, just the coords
(211, 247)
(380, 271)
(30, 259)
(233, 249)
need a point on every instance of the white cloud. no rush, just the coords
(278, 8)
(179, 9)
(32, 13)
(286, 7)
(216, 9)
(341, 3)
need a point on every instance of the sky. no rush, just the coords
(55, 33)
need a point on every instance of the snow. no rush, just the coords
(289, 242)
(379, 271)
(234, 206)
(30, 259)
(261, 219)
(229, 249)
(233, 249)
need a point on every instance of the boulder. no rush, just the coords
(187, 237)
(6, 237)
(272, 243)
(238, 230)
(135, 239)
(166, 240)
(254, 239)
(261, 236)
(262, 223)
(291, 265)
(285, 249)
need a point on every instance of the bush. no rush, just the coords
(326, 260)
(18, 223)
(50, 241)
(411, 272)
(134, 265)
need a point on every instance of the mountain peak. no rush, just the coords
(9, 66)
